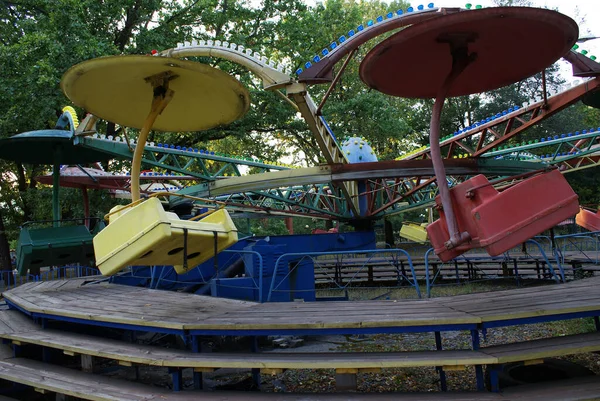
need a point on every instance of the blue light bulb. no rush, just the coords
(342, 39)
(370, 22)
(351, 32)
(379, 19)
(390, 15)
(360, 28)
(399, 12)
(410, 9)
(308, 64)
(420, 7)
(325, 52)
(316, 59)
(430, 5)
(333, 45)
(299, 71)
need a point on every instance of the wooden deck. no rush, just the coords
(50, 378)
(154, 310)
(165, 310)
(21, 330)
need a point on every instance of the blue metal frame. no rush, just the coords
(560, 249)
(539, 319)
(288, 256)
(430, 281)
(325, 331)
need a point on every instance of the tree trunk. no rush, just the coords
(5, 263)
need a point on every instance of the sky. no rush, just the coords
(585, 12)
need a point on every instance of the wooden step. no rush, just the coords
(23, 331)
(20, 329)
(45, 377)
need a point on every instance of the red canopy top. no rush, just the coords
(511, 43)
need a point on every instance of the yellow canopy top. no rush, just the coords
(116, 89)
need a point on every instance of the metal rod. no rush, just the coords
(55, 194)
(158, 105)
(544, 89)
(456, 237)
(335, 80)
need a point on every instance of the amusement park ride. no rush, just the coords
(498, 196)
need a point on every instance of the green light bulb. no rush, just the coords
(575, 46)
(468, 6)
(584, 52)
(478, 7)
(593, 58)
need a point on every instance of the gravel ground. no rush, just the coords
(423, 379)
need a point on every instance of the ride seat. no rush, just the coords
(499, 221)
(53, 246)
(588, 220)
(146, 235)
(414, 231)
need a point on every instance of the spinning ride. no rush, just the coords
(466, 53)
(119, 89)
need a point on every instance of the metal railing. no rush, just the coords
(340, 261)
(10, 279)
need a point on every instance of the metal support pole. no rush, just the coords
(198, 382)
(478, 368)
(55, 194)
(494, 377)
(46, 354)
(256, 379)
(440, 369)
(177, 378)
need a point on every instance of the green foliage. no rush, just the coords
(41, 39)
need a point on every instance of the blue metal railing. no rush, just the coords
(10, 279)
(284, 260)
(430, 281)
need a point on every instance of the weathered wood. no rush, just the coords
(345, 381)
(87, 363)
(139, 306)
(99, 388)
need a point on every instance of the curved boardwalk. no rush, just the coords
(165, 311)
(134, 308)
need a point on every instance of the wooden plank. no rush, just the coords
(454, 367)
(345, 371)
(272, 371)
(545, 348)
(148, 355)
(369, 370)
(533, 362)
(87, 363)
(100, 388)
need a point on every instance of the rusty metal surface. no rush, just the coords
(413, 63)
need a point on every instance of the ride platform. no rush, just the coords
(137, 308)
(89, 302)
